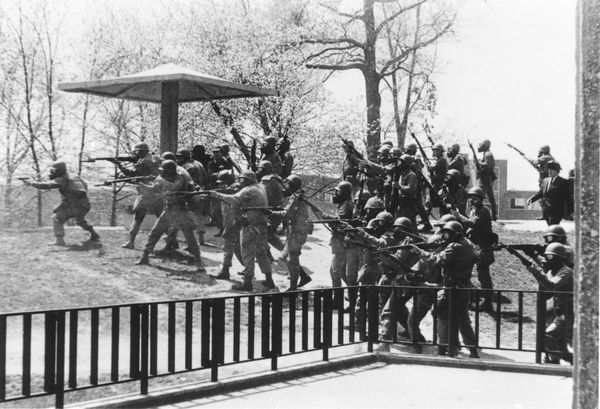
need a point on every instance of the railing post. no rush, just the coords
(60, 360)
(276, 321)
(540, 325)
(452, 324)
(50, 351)
(134, 341)
(327, 322)
(2, 357)
(144, 350)
(218, 337)
(373, 316)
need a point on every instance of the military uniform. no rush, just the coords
(485, 180)
(346, 258)
(541, 164)
(275, 161)
(232, 226)
(459, 163)
(408, 188)
(74, 204)
(455, 196)
(273, 186)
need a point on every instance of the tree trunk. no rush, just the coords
(372, 79)
(86, 105)
(411, 73)
(396, 104)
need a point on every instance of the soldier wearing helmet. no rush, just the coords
(456, 260)
(350, 166)
(453, 194)
(269, 153)
(372, 207)
(479, 231)
(407, 187)
(200, 178)
(297, 214)
(416, 165)
(253, 238)
(172, 185)
(559, 280)
(458, 162)
(145, 164)
(556, 234)
(74, 204)
(273, 185)
(541, 162)
(486, 175)
(287, 160)
(438, 169)
(554, 196)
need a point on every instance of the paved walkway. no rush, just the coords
(408, 386)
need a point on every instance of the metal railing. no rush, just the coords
(56, 351)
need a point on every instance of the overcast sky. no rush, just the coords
(508, 75)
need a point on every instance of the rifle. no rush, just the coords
(112, 159)
(253, 159)
(331, 221)
(531, 162)
(124, 180)
(266, 209)
(350, 147)
(531, 250)
(475, 160)
(407, 272)
(23, 178)
(512, 250)
(200, 192)
(425, 158)
(422, 246)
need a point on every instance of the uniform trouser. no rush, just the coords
(231, 247)
(420, 207)
(558, 335)
(344, 266)
(293, 249)
(200, 222)
(216, 216)
(253, 241)
(172, 218)
(488, 188)
(141, 207)
(483, 272)
(550, 219)
(395, 306)
(369, 274)
(422, 303)
(272, 237)
(63, 213)
(453, 316)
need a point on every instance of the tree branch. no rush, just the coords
(337, 67)
(396, 14)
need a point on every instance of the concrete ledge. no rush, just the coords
(198, 390)
(480, 364)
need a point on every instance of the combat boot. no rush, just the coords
(473, 353)
(199, 267)
(304, 278)
(293, 284)
(245, 285)
(268, 282)
(94, 236)
(130, 242)
(224, 274)
(201, 238)
(60, 241)
(144, 260)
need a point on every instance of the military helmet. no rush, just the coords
(270, 140)
(407, 160)
(169, 167)
(476, 191)
(556, 249)
(454, 147)
(266, 166)
(453, 226)
(555, 230)
(385, 218)
(374, 202)
(295, 181)
(388, 143)
(485, 143)
(345, 188)
(142, 146)
(184, 153)
(248, 175)
(396, 152)
(438, 147)
(411, 147)
(216, 149)
(225, 177)
(445, 219)
(383, 149)
(545, 149)
(454, 174)
(60, 166)
(403, 223)
(199, 150)
(167, 156)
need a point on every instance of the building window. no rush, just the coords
(518, 203)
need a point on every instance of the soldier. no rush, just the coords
(559, 280)
(458, 162)
(254, 229)
(439, 168)
(416, 165)
(408, 189)
(479, 225)
(296, 211)
(172, 184)
(216, 165)
(200, 179)
(232, 226)
(486, 175)
(287, 160)
(199, 154)
(457, 260)
(554, 195)
(541, 163)
(346, 258)
(350, 166)
(74, 204)
(268, 153)
(146, 165)
(273, 185)
(453, 195)
(556, 234)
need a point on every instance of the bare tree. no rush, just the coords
(354, 44)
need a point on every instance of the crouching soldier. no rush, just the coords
(296, 213)
(74, 205)
(173, 185)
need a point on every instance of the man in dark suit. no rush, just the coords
(554, 195)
